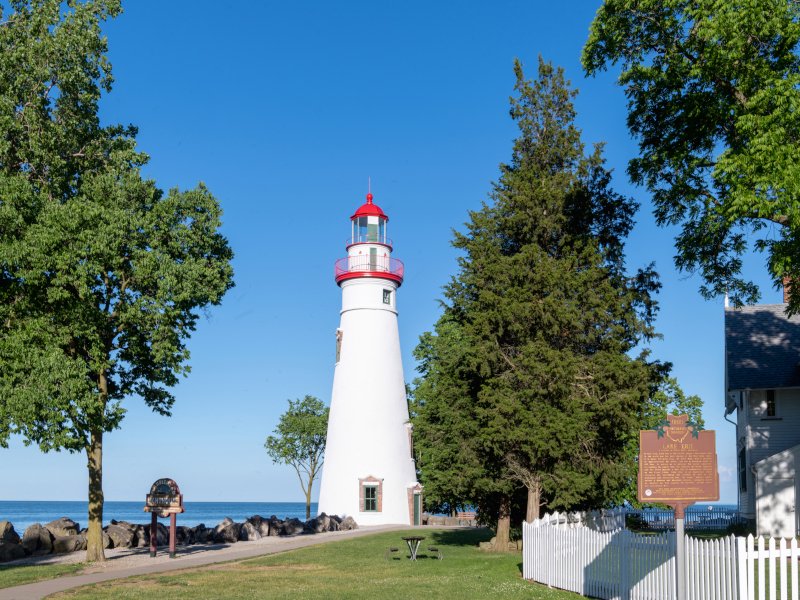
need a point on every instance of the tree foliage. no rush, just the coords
(713, 90)
(299, 440)
(530, 379)
(102, 274)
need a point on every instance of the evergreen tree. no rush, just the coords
(529, 379)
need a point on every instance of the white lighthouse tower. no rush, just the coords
(369, 471)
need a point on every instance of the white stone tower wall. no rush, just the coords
(367, 433)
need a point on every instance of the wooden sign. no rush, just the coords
(677, 463)
(164, 499)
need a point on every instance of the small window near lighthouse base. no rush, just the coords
(387, 296)
(370, 492)
(370, 498)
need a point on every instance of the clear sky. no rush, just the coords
(284, 109)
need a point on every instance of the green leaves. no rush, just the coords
(102, 275)
(713, 98)
(528, 379)
(299, 440)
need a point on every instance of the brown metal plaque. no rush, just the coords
(677, 463)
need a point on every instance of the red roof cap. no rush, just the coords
(369, 210)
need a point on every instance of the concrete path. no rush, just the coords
(138, 562)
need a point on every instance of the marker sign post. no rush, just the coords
(678, 467)
(164, 500)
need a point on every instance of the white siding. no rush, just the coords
(768, 435)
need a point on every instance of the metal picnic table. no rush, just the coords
(413, 542)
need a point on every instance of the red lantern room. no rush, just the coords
(369, 249)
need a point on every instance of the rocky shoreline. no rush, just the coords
(65, 535)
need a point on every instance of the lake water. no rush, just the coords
(25, 513)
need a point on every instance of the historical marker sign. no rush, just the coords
(677, 463)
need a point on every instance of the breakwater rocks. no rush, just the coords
(65, 535)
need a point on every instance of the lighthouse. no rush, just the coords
(369, 471)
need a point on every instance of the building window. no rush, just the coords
(387, 296)
(370, 498)
(742, 470)
(370, 494)
(770, 403)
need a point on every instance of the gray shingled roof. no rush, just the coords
(762, 347)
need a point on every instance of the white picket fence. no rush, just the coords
(569, 552)
(768, 570)
(598, 520)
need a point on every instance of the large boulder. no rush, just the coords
(275, 526)
(107, 542)
(203, 534)
(261, 524)
(8, 533)
(62, 527)
(37, 540)
(348, 523)
(249, 532)
(292, 527)
(227, 532)
(141, 536)
(321, 524)
(63, 544)
(11, 551)
(184, 536)
(121, 534)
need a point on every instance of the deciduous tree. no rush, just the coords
(102, 275)
(713, 90)
(299, 440)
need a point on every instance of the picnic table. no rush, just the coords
(413, 542)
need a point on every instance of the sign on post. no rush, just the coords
(678, 467)
(164, 500)
(677, 463)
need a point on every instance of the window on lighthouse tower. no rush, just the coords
(370, 498)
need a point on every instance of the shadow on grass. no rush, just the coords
(461, 537)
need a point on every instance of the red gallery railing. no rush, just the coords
(364, 265)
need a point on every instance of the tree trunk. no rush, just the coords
(534, 502)
(503, 535)
(308, 501)
(94, 536)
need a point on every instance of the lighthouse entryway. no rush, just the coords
(417, 508)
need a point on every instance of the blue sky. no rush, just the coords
(284, 109)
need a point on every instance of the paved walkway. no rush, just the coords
(129, 563)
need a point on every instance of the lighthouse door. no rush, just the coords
(417, 508)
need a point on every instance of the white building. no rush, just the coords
(369, 471)
(762, 382)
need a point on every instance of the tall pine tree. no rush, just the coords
(530, 379)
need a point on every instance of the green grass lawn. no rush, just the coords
(11, 575)
(353, 568)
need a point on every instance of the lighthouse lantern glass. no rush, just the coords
(361, 229)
